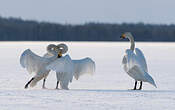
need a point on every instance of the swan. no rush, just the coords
(36, 64)
(134, 63)
(66, 69)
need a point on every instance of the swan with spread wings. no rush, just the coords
(64, 66)
(37, 64)
(134, 63)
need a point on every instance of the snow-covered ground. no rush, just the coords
(107, 89)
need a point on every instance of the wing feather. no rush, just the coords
(129, 59)
(31, 61)
(141, 59)
(83, 66)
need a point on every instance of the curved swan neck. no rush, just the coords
(52, 52)
(131, 39)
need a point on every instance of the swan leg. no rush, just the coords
(140, 88)
(26, 86)
(44, 81)
(135, 86)
(57, 85)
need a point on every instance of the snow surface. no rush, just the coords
(107, 89)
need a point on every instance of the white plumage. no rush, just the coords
(136, 67)
(83, 66)
(66, 68)
(134, 63)
(34, 63)
(37, 64)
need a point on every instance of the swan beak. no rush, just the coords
(123, 36)
(59, 54)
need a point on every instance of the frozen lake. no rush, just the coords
(107, 89)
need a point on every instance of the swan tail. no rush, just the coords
(150, 80)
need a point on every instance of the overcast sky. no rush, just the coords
(83, 11)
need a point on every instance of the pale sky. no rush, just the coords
(83, 11)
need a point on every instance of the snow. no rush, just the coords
(107, 89)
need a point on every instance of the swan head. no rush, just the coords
(126, 35)
(51, 48)
(57, 49)
(59, 54)
(61, 49)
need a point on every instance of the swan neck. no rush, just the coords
(132, 47)
(52, 52)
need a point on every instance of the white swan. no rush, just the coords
(36, 64)
(134, 63)
(61, 49)
(66, 68)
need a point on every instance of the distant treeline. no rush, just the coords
(16, 29)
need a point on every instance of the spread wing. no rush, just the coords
(141, 59)
(83, 66)
(31, 61)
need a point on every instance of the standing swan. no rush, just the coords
(134, 63)
(36, 64)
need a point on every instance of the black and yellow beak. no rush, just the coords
(123, 36)
(59, 55)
